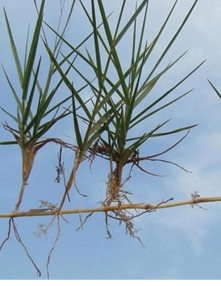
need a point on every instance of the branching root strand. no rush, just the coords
(53, 246)
(17, 236)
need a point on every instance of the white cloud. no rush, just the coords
(190, 222)
(193, 223)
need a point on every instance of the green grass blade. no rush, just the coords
(32, 52)
(142, 31)
(75, 49)
(173, 38)
(58, 41)
(67, 82)
(144, 89)
(43, 129)
(91, 21)
(140, 140)
(21, 129)
(112, 44)
(168, 92)
(215, 89)
(149, 86)
(9, 114)
(26, 47)
(132, 76)
(140, 119)
(101, 77)
(131, 20)
(108, 95)
(18, 102)
(174, 131)
(86, 80)
(96, 46)
(56, 49)
(76, 126)
(136, 82)
(44, 126)
(122, 133)
(54, 90)
(42, 108)
(9, 143)
(14, 50)
(31, 95)
(135, 71)
(119, 18)
(97, 133)
(154, 42)
(104, 118)
(115, 86)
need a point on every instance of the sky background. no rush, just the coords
(180, 243)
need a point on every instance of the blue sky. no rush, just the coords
(181, 243)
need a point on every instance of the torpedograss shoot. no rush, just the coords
(34, 99)
(118, 94)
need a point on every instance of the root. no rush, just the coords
(8, 235)
(11, 223)
(53, 246)
(82, 222)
